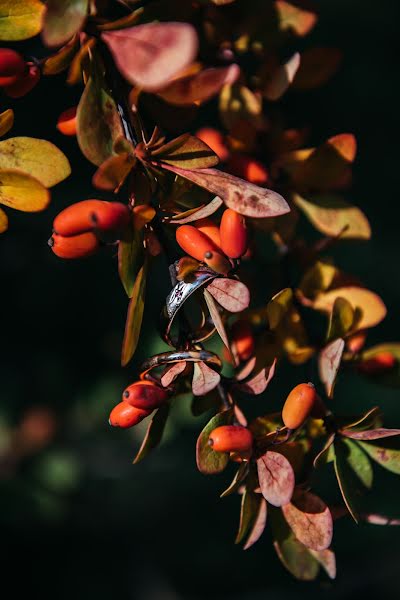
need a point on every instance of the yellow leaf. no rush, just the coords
(371, 305)
(6, 121)
(331, 215)
(317, 279)
(21, 191)
(3, 221)
(20, 19)
(39, 158)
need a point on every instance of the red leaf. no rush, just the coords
(276, 478)
(310, 520)
(201, 86)
(151, 55)
(204, 379)
(231, 294)
(172, 372)
(258, 384)
(245, 198)
(372, 434)
(329, 363)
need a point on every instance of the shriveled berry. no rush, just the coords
(194, 242)
(92, 215)
(298, 405)
(231, 438)
(124, 415)
(144, 395)
(78, 246)
(233, 234)
(12, 66)
(66, 123)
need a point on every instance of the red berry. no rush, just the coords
(124, 415)
(144, 395)
(233, 232)
(12, 66)
(231, 438)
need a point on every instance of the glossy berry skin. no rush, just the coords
(248, 168)
(194, 243)
(24, 83)
(215, 140)
(242, 340)
(124, 415)
(378, 364)
(298, 405)
(144, 395)
(89, 215)
(231, 438)
(12, 66)
(233, 234)
(79, 246)
(210, 229)
(66, 123)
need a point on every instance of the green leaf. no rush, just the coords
(317, 279)
(154, 433)
(62, 20)
(359, 463)
(333, 216)
(188, 152)
(257, 527)
(135, 316)
(208, 461)
(98, 122)
(130, 258)
(6, 121)
(341, 319)
(248, 513)
(240, 475)
(386, 454)
(327, 454)
(295, 557)
(20, 19)
(278, 306)
(39, 158)
(350, 483)
(21, 191)
(57, 63)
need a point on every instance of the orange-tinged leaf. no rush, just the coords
(328, 364)
(216, 318)
(80, 62)
(62, 20)
(258, 383)
(310, 520)
(245, 198)
(281, 78)
(112, 173)
(333, 216)
(295, 18)
(20, 19)
(39, 158)
(276, 478)
(204, 379)
(172, 372)
(134, 316)
(238, 103)
(198, 213)
(187, 152)
(21, 191)
(6, 121)
(151, 55)
(3, 221)
(317, 66)
(371, 305)
(199, 87)
(231, 294)
(58, 62)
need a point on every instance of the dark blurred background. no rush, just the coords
(78, 520)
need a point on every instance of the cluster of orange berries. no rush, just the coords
(214, 245)
(79, 229)
(138, 402)
(17, 76)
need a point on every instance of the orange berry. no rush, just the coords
(12, 66)
(248, 168)
(217, 262)
(298, 405)
(215, 140)
(378, 364)
(233, 232)
(66, 123)
(124, 415)
(24, 83)
(194, 242)
(231, 438)
(145, 395)
(242, 340)
(91, 215)
(210, 229)
(78, 246)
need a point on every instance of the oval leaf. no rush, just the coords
(204, 379)
(373, 309)
(216, 317)
(258, 383)
(172, 372)
(231, 294)
(130, 259)
(371, 434)
(245, 198)
(248, 513)
(386, 454)
(276, 478)
(63, 18)
(208, 461)
(39, 158)
(20, 19)
(329, 360)
(188, 152)
(21, 191)
(310, 520)
(151, 55)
